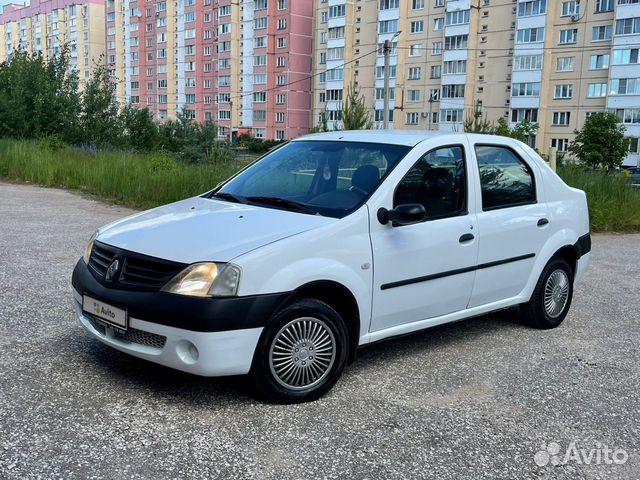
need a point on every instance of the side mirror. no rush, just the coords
(405, 214)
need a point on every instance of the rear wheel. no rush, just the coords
(302, 352)
(552, 296)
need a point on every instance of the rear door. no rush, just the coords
(426, 270)
(512, 222)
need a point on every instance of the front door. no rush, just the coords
(427, 269)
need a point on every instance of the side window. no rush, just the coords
(437, 181)
(505, 179)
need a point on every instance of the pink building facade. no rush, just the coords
(244, 65)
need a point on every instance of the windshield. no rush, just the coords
(331, 178)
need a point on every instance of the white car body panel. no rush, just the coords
(200, 229)
(281, 251)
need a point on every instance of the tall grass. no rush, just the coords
(614, 206)
(144, 181)
(133, 180)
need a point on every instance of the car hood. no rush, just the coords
(200, 229)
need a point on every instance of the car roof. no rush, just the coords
(408, 138)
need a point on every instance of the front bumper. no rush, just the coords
(203, 336)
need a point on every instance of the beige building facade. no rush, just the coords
(552, 63)
(44, 27)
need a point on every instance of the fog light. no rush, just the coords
(187, 352)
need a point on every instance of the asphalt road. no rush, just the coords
(472, 400)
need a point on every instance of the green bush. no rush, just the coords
(613, 204)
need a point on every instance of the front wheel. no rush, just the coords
(552, 296)
(302, 353)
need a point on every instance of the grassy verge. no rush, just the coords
(144, 181)
(133, 180)
(614, 206)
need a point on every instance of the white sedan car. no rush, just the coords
(331, 242)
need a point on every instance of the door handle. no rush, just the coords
(467, 237)
(542, 222)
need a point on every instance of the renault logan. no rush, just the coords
(331, 242)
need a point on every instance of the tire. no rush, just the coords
(285, 367)
(552, 296)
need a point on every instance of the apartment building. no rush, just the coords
(43, 27)
(552, 63)
(244, 65)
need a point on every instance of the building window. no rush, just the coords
(528, 62)
(604, 6)
(455, 67)
(281, 99)
(521, 114)
(415, 50)
(337, 11)
(628, 26)
(412, 118)
(388, 26)
(414, 73)
(453, 91)
(458, 17)
(561, 144)
(417, 26)
(625, 86)
(526, 89)
(438, 23)
(436, 48)
(561, 119)
(413, 95)
(536, 7)
(626, 56)
(629, 116)
(599, 62)
(601, 33)
(530, 35)
(388, 4)
(568, 36)
(456, 42)
(417, 4)
(282, 24)
(563, 91)
(451, 116)
(380, 93)
(596, 90)
(570, 9)
(565, 64)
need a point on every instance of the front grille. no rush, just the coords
(101, 258)
(141, 337)
(137, 271)
(132, 335)
(147, 272)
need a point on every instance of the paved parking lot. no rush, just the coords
(472, 400)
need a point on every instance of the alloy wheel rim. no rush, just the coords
(556, 293)
(302, 353)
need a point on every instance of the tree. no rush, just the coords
(323, 124)
(139, 131)
(476, 121)
(99, 120)
(523, 131)
(601, 143)
(355, 115)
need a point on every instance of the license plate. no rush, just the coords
(105, 312)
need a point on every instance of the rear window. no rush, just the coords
(505, 179)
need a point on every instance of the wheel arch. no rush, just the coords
(340, 298)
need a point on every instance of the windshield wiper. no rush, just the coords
(228, 197)
(284, 203)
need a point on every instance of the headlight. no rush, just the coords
(89, 247)
(206, 280)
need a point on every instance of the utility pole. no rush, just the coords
(386, 50)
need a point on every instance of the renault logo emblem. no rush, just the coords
(112, 271)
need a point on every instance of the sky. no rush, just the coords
(5, 2)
